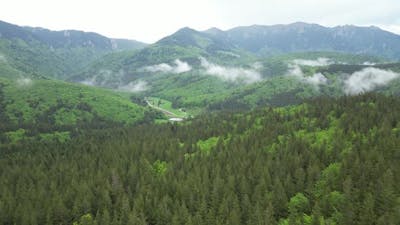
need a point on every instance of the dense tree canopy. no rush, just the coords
(323, 162)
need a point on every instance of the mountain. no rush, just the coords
(301, 37)
(242, 45)
(188, 37)
(187, 45)
(39, 51)
(223, 86)
(211, 69)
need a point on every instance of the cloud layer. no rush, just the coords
(316, 79)
(3, 58)
(24, 82)
(134, 87)
(232, 74)
(178, 67)
(367, 80)
(105, 77)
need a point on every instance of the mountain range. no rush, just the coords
(301, 37)
(240, 68)
(62, 54)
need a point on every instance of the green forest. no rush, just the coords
(328, 161)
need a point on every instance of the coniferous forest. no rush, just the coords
(326, 161)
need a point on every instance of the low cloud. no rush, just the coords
(317, 62)
(89, 82)
(3, 59)
(367, 63)
(24, 82)
(105, 78)
(368, 79)
(316, 79)
(230, 73)
(178, 67)
(257, 66)
(134, 87)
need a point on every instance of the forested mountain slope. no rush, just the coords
(323, 162)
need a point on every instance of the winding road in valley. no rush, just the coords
(169, 113)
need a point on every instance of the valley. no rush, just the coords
(166, 107)
(295, 124)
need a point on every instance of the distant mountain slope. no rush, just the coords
(300, 37)
(200, 88)
(242, 45)
(188, 37)
(186, 44)
(55, 53)
(244, 67)
(75, 38)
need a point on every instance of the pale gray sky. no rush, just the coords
(150, 20)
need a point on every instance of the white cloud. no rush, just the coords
(105, 77)
(24, 82)
(163, 67)
(317, 62)
(368, 79)
(230, 73)
(178, 67)
(316, 79)
(257, 66)
(89, 82)
(3, 58)
(137, 86)
(367, 63)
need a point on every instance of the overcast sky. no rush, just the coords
(150, 20)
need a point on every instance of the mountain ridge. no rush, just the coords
(55, 54)
(9, 30)
(298, 37)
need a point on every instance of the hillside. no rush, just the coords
(328, 161)
(232, 69)
(42, 108)
(186, 44)
(235, 85)
(56, 54)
